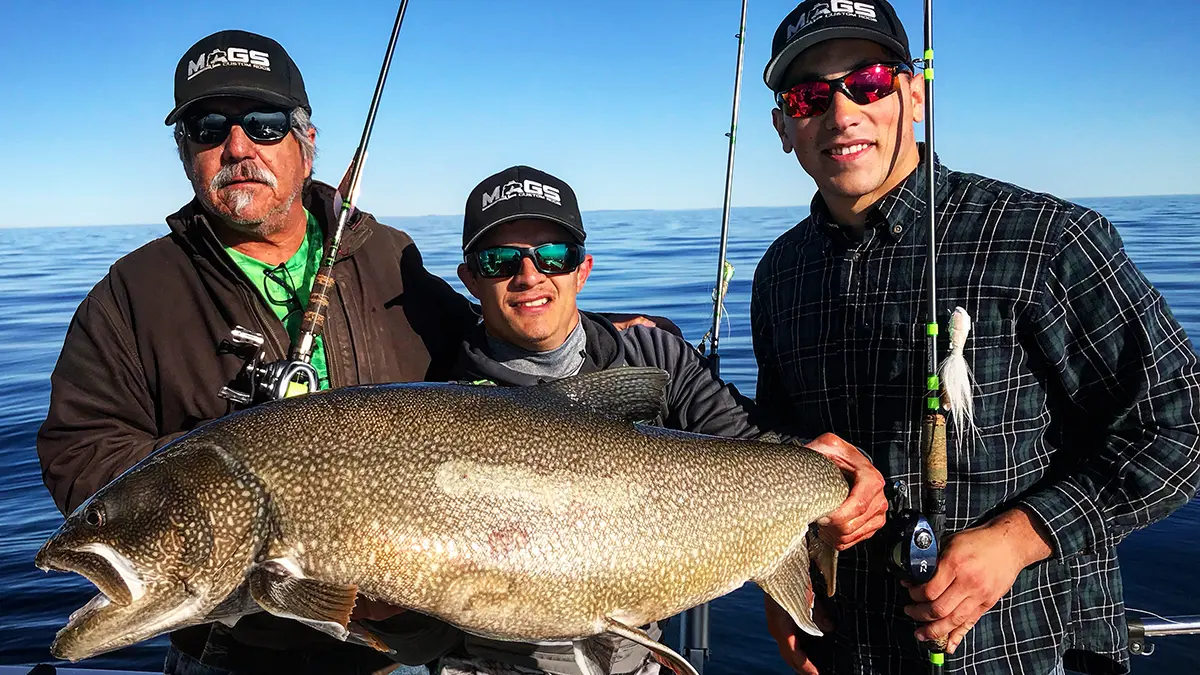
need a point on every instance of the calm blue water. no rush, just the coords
(650, 261)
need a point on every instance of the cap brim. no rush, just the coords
(777, 66)
(254, 93)
(569, 227)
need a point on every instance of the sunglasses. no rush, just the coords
(863, 86)
(260, 126)
(498, 262)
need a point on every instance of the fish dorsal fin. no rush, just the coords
(633, 394)
(789, 583)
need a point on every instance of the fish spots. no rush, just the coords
(555, 490)
(532, 534)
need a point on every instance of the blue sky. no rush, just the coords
(628, 100)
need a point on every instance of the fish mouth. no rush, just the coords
(124, 612)
(94, 566)
(111, 573)
(101, 626)
(65, 641)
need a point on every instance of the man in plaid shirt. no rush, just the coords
(1087, 394)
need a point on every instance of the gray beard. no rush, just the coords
(240, 200)
(265, 226)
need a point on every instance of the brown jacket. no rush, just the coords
(144, 360)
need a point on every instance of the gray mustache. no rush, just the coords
(231, 173)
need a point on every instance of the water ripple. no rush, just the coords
(655, 262)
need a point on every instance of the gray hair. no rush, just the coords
(301, 125)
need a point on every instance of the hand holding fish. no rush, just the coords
(976, 569)
(865, 509)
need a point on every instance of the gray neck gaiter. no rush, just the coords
(555, 364)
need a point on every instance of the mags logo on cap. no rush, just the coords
(233, 56)
(861, 10)
(530, 188)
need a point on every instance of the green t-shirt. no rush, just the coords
(285, 287)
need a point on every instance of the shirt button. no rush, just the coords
(854, 257)
(896, 229)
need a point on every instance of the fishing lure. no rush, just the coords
(957, 379)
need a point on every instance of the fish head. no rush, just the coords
(164, 543)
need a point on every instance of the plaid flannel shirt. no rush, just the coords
(1087, 402)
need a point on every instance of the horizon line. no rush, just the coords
(381, 219)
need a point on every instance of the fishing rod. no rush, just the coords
(296, 375)
(933, 430)
(724, 267)
(318, 300)
(913, 537)
(694, 641)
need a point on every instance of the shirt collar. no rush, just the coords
(897, 213)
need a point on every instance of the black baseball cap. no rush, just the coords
(815, 21)
(237, 63)
(516, 193)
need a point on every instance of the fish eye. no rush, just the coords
(94, 515)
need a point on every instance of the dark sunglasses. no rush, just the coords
(505, 261)
(282, 291)
(863, 86)
(260, 126)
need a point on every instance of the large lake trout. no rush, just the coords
(531, 514)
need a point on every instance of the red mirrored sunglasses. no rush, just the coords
(863, 86)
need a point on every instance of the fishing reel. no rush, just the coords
(268, 381)
(910, 547)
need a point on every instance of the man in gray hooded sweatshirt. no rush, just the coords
(524, 259)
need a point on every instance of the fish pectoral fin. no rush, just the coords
(319, 604)
(662, 653)
(825, 556)
(789, 585)
(630, 394)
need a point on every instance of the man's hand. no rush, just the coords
(787, 634)
(373, 610)
(635, 321)
(976, 568)
(865, 508)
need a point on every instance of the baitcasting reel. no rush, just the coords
(269, 381)
(911, 550)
